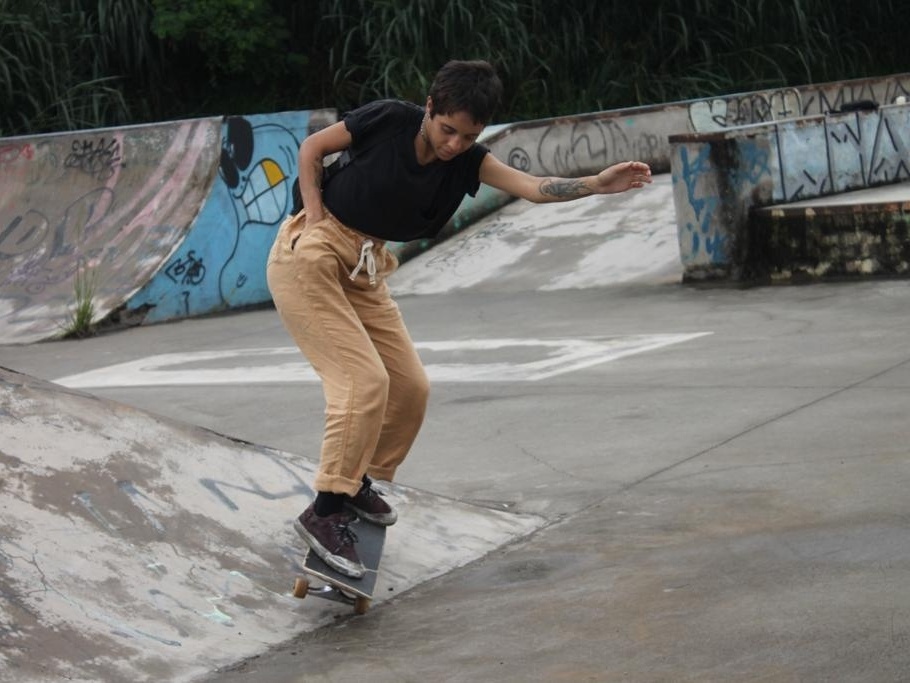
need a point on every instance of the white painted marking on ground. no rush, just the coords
(446, 361)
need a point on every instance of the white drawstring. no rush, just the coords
(366, 257)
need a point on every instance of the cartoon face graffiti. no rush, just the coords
(260, 187)
(258, 164)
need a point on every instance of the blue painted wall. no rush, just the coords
(221, 264)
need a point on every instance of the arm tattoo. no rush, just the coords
(563, 188)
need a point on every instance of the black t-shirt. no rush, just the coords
(383, 191)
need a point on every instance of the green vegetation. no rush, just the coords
(69, 64)
(81, 321)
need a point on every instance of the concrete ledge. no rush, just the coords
(720, 178)
(855, 234)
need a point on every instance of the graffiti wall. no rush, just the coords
(586, 143)
(842, 152)
(719, 177)
(175, 220)
(221, 263)
(786, 103)
(165, 220)
(107, 206)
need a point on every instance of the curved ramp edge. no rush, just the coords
(139, 548)
(106, 205)
(160, 221)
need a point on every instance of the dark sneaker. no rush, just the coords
(332, 540)
(369, 505)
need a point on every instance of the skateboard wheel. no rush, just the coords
(361, 605)
(301, 588)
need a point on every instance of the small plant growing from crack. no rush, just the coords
(81, 322)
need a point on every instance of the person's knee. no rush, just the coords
(409, 396)
(420, 389)
(371, 388)
(416, 391)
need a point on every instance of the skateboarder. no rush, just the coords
(403, 171)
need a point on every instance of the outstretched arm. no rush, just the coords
(616, 178)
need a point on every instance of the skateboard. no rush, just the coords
(332, 585)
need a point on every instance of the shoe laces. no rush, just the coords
(368, 492)
(344, 533)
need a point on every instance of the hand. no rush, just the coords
(621, 177)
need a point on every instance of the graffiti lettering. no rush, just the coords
(34, 277)
(741, 110)
(217, 488)
(707, 242)
(189, 271)
(23, 234)
(98, 160)
(777, 105)
(520, 159)
(43, 254)
(592, 145)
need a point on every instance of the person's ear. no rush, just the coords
(430, 106)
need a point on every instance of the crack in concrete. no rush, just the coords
(763, 423)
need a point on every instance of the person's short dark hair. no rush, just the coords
(469, 86)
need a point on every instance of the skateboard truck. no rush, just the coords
(303, 588)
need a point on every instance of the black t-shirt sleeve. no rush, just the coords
(374, 119)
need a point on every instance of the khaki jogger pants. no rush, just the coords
(352, 333)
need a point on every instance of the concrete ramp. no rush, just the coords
(109, 206)
(593, 242)
(137, 548)
(160, 221)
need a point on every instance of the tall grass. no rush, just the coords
(81, 319)
(395, 46)
(577, 55)
(67, 64)
(76, 63)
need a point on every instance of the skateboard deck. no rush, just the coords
(333, 585)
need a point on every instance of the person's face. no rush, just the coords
(451, 134)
